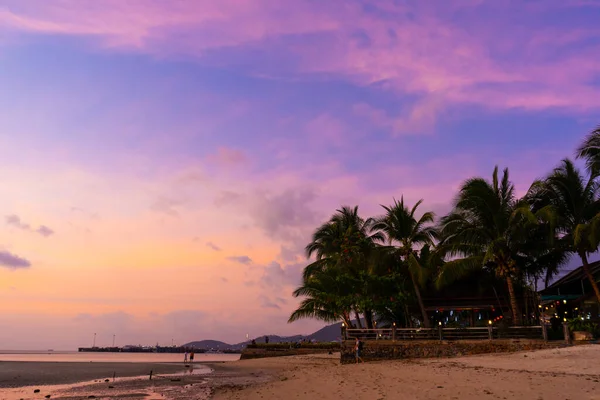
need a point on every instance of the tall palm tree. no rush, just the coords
(345, 244)
(486, 229)
(406, 234)
(576, 201)
(590, 151)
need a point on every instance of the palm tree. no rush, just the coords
(345, 244)
(405, 233)
(486, 229)
(576, 201)
(324, 299)
(590, 151)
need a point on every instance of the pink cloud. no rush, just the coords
(411, 49)
(228, 157)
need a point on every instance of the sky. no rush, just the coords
(163, 163)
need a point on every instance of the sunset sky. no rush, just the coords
(163, 163)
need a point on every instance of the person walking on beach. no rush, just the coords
(185, 357)
(358, 346)
(192, 356)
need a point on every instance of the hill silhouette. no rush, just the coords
(330, 333)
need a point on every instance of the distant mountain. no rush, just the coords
(330, 333)
(208, 344)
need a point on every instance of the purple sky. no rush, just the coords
(164, 163)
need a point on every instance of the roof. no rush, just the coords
(573, 283)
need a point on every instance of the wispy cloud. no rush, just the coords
(213, 246)
(268, 303)
(15, 221)
(241, 259)
(12, 261)
(437, 55)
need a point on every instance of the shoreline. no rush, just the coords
(79, 380)
(553, 374)
(15, 374)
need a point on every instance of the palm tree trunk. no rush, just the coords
(358, 323)
(517, 320)
(346, 319)
(369, 318)
(588, 273)
(426, 322)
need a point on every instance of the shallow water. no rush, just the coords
(27, 392)
(74, 356)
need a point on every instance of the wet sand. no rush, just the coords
(16, 373)
(169, 381)
(556, 374)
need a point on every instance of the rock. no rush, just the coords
(580, 335)
(36, 391)
(107, 380)
(47, 396)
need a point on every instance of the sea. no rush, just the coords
(27, 393)
(76, 356)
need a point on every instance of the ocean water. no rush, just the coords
(75, 356)
(26, 392)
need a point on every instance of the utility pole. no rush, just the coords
(113, 340)
(94, 344)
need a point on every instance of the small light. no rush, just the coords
(440, 323)
(540, 306)
(576, 308)
(394, 324)
(564, 319)
(343, 324)
(565, 312)
(546, 308)
(564, 301)
(490, 322)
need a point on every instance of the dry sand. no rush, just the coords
(557, 374)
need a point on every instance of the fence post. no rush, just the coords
(441, 333)
(544, 332)
(490, 332)
(566, 334)
(394, 332)
(344, 333)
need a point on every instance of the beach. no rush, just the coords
(555, 374)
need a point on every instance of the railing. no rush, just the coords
(440, 333)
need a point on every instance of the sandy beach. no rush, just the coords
(557, 374)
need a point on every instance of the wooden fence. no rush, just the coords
(441, 333)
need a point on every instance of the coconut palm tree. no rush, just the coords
(406, 234)
(575, 199)
(590, 152)
(486, 229)
(324, 298)
(346, 244)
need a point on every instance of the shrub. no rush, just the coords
(580, 325)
